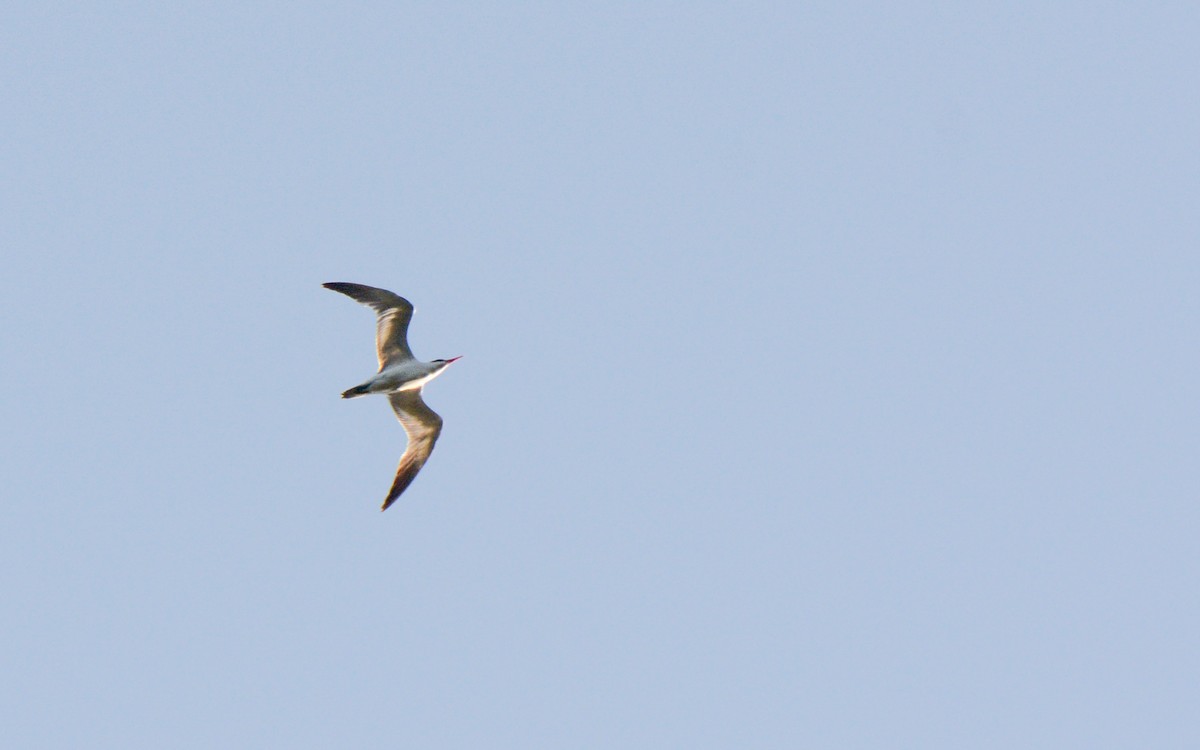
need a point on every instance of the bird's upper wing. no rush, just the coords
(394, 312)
(423, 426)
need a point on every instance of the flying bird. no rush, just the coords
(401, 376)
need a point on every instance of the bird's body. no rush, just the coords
(408, 375)
(401, 376)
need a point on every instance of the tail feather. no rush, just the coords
(357, 390)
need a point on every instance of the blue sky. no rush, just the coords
(829, 377)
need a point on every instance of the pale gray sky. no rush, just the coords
(830, 375)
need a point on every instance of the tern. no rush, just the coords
(401, 376)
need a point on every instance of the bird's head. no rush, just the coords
(445, 362)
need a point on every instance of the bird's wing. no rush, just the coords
(393, 311)
(423, 426)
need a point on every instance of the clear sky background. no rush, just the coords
(830, 375)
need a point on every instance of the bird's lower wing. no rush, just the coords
(423, 426)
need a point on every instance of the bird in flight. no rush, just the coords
(401, 376)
